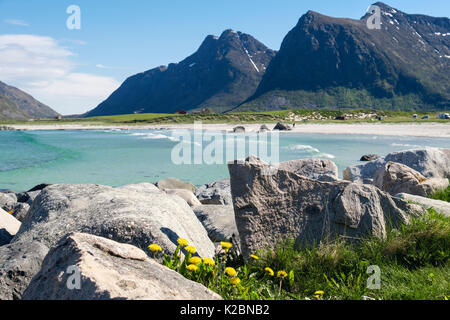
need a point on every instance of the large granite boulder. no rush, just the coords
(19, 262)
(397, 178)
(136, 214)
(108, 270)
(218, 221)
(426, 203)
(217, 192)
(186, 195)
(369, 157)
(173, 183)
(272, 204)
(8, 227)
(317, 169)
(430, 162)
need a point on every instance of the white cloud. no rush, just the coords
(45, 69)
(16, 22)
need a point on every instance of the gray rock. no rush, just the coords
(282, 127)
(8, 227)
(438, 205)
(363, 173)
(271, 205)
(264, 128)
(20, 211)
(109, 270)
(132, 214)
(19, 262)
(317, 169)
(369, 157)
(186, 195)
(397, 178)
(218, 193)
(430, 162)
(218, 221)
(239, 129)
(172, 183)
(7, 201)
(27, 197)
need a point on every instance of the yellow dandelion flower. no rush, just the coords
(317, 297)
(226, 245)
(182, 242)
(269, 271)
(195, 260)
(209, 262)
(231, 272)
(154, 248)
(190, 249)
(282, 274)
(235, 281)
(255, 257)
(192, 267)
(11, 212)
(319, 293)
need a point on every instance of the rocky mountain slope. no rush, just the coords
(18, 105)
(223, 73)
(336, 62)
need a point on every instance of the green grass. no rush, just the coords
(313, 116)
(414, 264)
(443, 195)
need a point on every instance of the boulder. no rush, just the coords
(19, 262)
(282, 127)
(132, 214)
(217, 192)
(426, 203)
(108, 270)
(363, 173)
(7, 201)
(20, 211)
(397, 178)
(317, 169)
(8, 227)
(273, 204)
(239, 129)
(264, 128)
(218, 221)
(430, 162)
(186, 195)
(172, 183)
(369, 157)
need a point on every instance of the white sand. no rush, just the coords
(408, 129)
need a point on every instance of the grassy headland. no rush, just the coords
(290, 116)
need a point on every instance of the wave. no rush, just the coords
(302, 147)
(406, 145)
(314, 152)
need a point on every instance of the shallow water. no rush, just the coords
(119, 157)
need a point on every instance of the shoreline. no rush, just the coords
(436, 130)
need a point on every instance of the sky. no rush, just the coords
(73, 70)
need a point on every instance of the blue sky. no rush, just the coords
(73, 70)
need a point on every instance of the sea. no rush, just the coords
(119, 157)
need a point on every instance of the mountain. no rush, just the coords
(223, 73)
(338, 62)
(18, 105)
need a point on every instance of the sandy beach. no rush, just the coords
(441, 130)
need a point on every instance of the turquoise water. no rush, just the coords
(113, 157)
